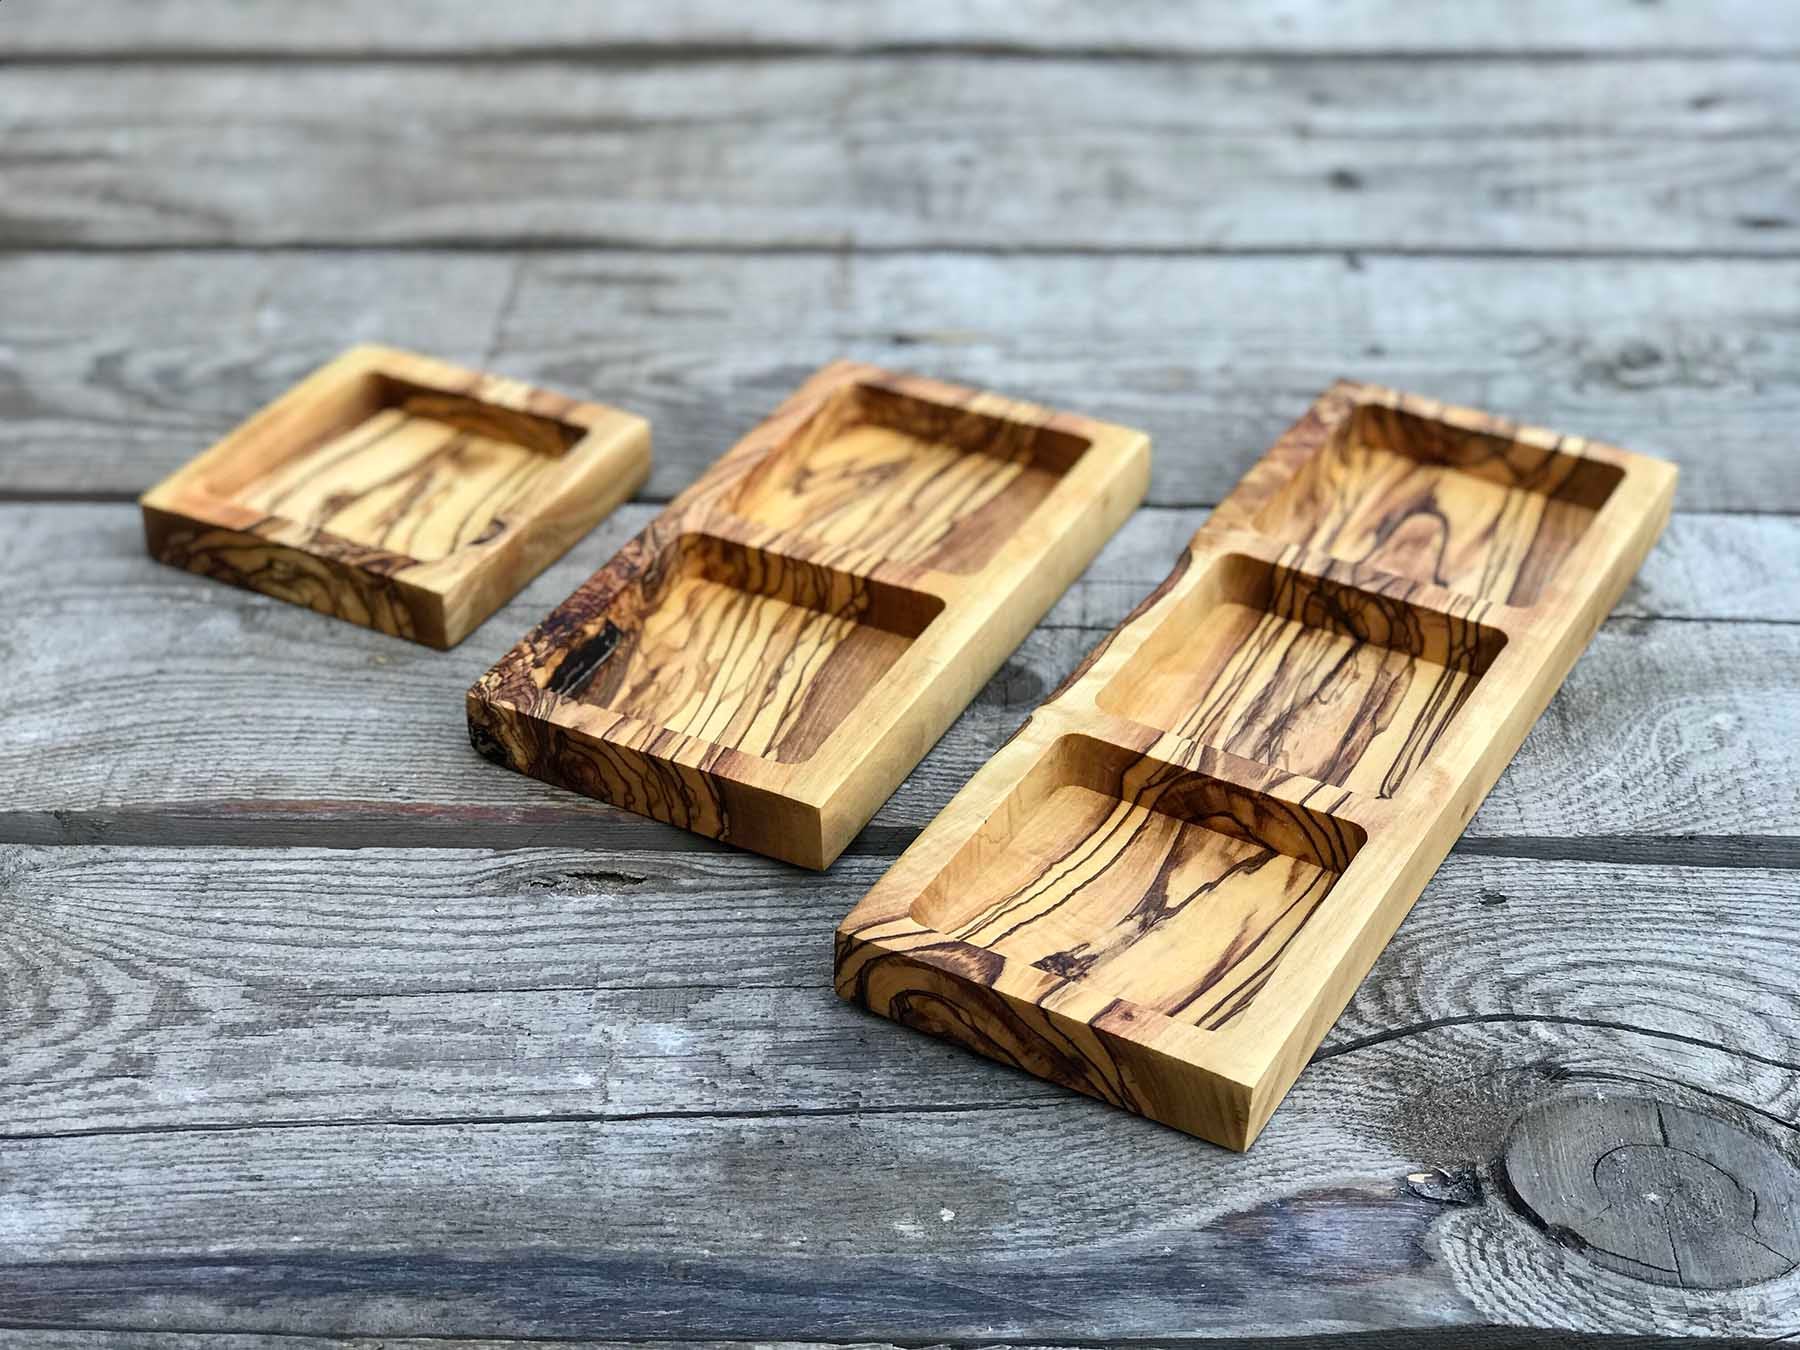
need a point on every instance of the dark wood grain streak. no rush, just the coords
(1336, 682)
(1474, 512)
(1164, 862)
(343, 579)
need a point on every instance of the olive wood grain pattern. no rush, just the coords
(1166, 886)
(398, 492)
(769, 657)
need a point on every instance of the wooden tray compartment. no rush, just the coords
(746, 648)
(1164, 888)
(1348, 686)
(398, 492)
(1138, 878)
(905, 479)
(1444, 499)
(770, 657)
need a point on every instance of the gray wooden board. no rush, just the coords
(643, 27)
(1561, 155)
(38, 1338)
(1376, 1199)
(190, 711)
(271, 1074)
(1493, 1338)
(220, 1114)
(205, 988)
(115, 370)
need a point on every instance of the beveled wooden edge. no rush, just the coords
(1224, 1085)
(439, 602)
(835, 790)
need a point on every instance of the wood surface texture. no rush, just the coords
(316, 1031)
(918, 151)
(767, 659)
(697, 29)
(1162, 891)
(398, 492)
(1209, 354)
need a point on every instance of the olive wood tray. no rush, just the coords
(398, 492)
(1163, 890)
(769, 658)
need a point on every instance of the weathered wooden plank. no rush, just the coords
(184, 987)
(113, 370)
(913, 152)
(1472, 1018)
(147, 27)
(1372, 1202)
(36, 1338)
(163, 1340)
(168, 708)
(158, 989)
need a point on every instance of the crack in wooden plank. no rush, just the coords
(652, 246)
(1328, 1052)
(1052, 1102)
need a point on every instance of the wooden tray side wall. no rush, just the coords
(1596, 513)
(867, 631)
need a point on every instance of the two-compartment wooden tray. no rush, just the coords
(769, 658)
(398, 492)
(1163, 890)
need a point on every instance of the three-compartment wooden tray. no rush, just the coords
(773, 653)
(398, 492)
(1163, 890)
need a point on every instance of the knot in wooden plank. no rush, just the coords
(1664, 1193)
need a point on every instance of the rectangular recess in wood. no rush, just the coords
(769, 658)
(1163, 890)
(398, 492)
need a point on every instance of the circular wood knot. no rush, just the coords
(1661, 1192)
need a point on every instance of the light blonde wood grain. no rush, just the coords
(1163, 890)
(772, 655)
(398, 492)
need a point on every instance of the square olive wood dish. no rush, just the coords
(398, 492)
